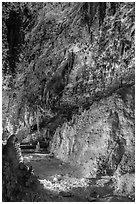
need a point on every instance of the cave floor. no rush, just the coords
(64, 183)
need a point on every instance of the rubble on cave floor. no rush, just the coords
(66, 182)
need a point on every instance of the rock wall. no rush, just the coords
(100, 140)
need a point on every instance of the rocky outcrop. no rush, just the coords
(102, 139)
(125, 184)
(19, 183)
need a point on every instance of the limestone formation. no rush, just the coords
(102, 138)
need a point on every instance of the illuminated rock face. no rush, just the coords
(102, 138)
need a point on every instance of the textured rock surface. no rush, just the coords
(19, 183)
(100, 139)
(76, 91)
